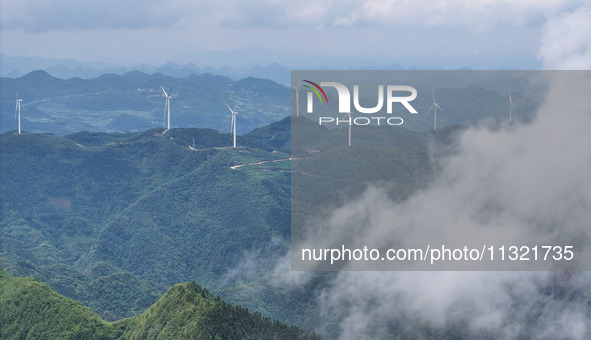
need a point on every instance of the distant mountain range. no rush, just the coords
(134, 102)
(14, 67)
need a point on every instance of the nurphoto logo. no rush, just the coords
(402, 94)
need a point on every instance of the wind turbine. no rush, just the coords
(350, 124)
(17, 112)
(167, 107)
(233, 126)
(510, 108)
(297, 89)
(434, 106)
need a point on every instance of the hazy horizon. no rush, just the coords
(349, 34)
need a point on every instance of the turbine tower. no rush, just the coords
(167, 107)
(510, 108)
(17, 113)
(233, 126)
(297, 89)
(350, 124)
(434, 106)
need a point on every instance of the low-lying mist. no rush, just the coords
(532, 178)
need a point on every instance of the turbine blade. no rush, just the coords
(437, 105)
(16, 106)
(432, 106)
(165, 94)
(229, 108)
(433, 93)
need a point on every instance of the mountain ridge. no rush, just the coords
(31, 309)
(114, 219)
(133, 101)
(15, 67)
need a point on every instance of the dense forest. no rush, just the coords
(113, 220)
(32, 310)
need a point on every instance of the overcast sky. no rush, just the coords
(485, 34)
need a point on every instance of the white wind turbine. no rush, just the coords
(233, 126)
(350, 124)
(510, 102)
(17, 113)
(510, 108)
(434, 106)
(167, 107)
(297, 89)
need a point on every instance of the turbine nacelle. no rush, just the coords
(233, 111)
(167, 94)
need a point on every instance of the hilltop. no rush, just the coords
(31, 309)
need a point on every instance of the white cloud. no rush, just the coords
(476, 15)
(41, 15)
(275, 14)
(71, 15)
(566, 41)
